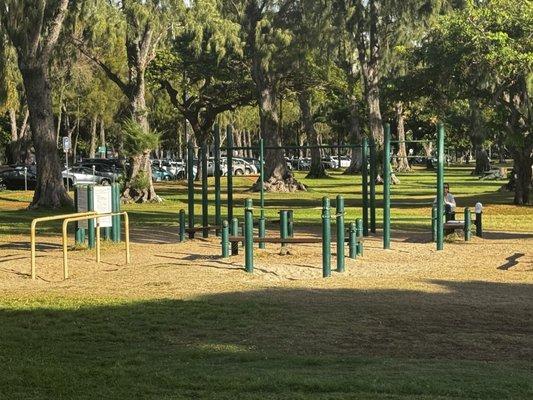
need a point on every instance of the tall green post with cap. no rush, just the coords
(262, 221)
(373, 177)
(218, 202)
(364, 183)
(91, 222)
(205, 199)
(340, 233)
(115, 207)
(326, 238)
(225, 239)
(440, 186)
(249, 236)
(229, 142)
(190, 187)
(386, 187)
(352, 240)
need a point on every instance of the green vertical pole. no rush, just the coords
(326, 238)
(283, 226)
(91, 222)
(218, 201)
(262, 221)
(440, 186)
(340, 233)
(234, 231)
(249, 236)
(225, 239)
(229, 140)
(359, 234)
(290, 223)
(386, 188)
(115, 207)
(77, 234)
(364, 184)
(205, 199)
(182, 226)
(190, 187)
(373, 177)
(468, 223)
(479, 220)
(352, 241)
(433, 223)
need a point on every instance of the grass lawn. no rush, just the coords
(194, 328)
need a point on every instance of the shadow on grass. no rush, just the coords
(275, 344)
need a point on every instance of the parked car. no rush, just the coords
(242, 167)
(330, 162)
(84, 176)
(159, 174)
(13, 179)
(345, 161)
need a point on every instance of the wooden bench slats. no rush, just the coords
(201, 228)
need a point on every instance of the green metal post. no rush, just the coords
(249, 236)
(340, 233)
(283, 226)
(225, 239)
(468, 223)
(229, 140)
(364, 184)
(262, 221)
(91, 222)
(479, 220)
(326, 238)
(373, 177)
(78, 234)
(359, 234)
(234, 231)
(182, 225)
(352, 240)
(205, 199)
(290, 223)
(433, 223)
(190, 187)
(218, 201)
(386, 188)
(440, 186)
(115, 207)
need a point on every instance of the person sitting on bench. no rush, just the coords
(449, 203)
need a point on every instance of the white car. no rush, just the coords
(345, 161)
(84, 176)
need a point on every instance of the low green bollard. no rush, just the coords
(225, 239)
(340, 234)
(234, 231)
(479, 220)
(249, 236)
(468, 223)
(326, 238)
(80, 232)
(283, 228)
(352, 240)
(359, 232)
(290, 223)
(262, 232)
(182, 226)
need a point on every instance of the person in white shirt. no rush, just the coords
(449, 202)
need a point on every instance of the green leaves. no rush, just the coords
(138, 140)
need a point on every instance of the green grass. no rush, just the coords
(411, 202)
(219, 348)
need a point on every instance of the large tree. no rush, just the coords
(33, 27)
(144, 26)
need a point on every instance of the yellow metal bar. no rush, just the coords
(91, 216)
(33, 234)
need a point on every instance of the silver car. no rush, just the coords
(84, 176)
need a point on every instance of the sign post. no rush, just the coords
(66, 149)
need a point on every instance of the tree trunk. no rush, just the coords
(49, 191)
(403, 162)
(477, 136)
(317, 169)
(428, 150)
(356, 162)
(102, 136)
(278, 178)
(94, 124)
(139, 186)
(523, 175)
